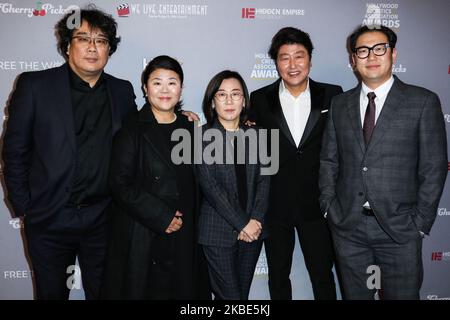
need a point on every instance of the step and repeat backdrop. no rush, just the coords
(210, 36)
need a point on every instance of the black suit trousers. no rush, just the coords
(315, 241)
(72, 233)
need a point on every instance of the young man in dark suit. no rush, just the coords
(57, 151)
(382, 171)
(298, 107)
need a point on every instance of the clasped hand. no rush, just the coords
(251, 231)
(176, 223)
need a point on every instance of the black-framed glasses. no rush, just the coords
(85, 41)
(223, 96)
(379, 50)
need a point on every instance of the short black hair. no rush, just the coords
(96, 19)
(162, 62)
(212, 88)
(353, 38)
(290, 35)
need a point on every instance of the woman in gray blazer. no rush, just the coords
(235, 193)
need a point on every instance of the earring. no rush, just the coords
(243, 105)
(213, 105)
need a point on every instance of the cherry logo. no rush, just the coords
(39, 11)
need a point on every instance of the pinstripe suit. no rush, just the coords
(231, 262)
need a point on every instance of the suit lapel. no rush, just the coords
(355, 116)
(277, 111)
(64, 103)
(394, 100)
(317, 96)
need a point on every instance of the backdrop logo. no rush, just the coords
(264, 67)
(373, 16)
(261, 267)
(39, 11)
(16, 223)
(382, 14)
(270, 13)
(436, 297)
(248, 13)
(395, 69)
(8, 8)
(436, 256)
(123, 10)
(145, 61)
(17, 274)
(398, 69)
(164, 10)
(440, 256)
(7, 65)
(443, 212)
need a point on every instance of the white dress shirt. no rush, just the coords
(296, 110)
(381, 94)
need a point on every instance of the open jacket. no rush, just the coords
(39, 147)
(221, 217)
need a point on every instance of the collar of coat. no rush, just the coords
(146, 114)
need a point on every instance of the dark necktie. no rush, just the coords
(369, 118)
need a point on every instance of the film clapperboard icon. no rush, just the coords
(123, 10)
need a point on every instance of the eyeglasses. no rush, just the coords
(222, 96)
(379, 50)
(85, 41)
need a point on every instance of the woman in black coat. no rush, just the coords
(153, 252)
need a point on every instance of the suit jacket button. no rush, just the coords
(299, 152)
(156, 178)
(365, 169)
